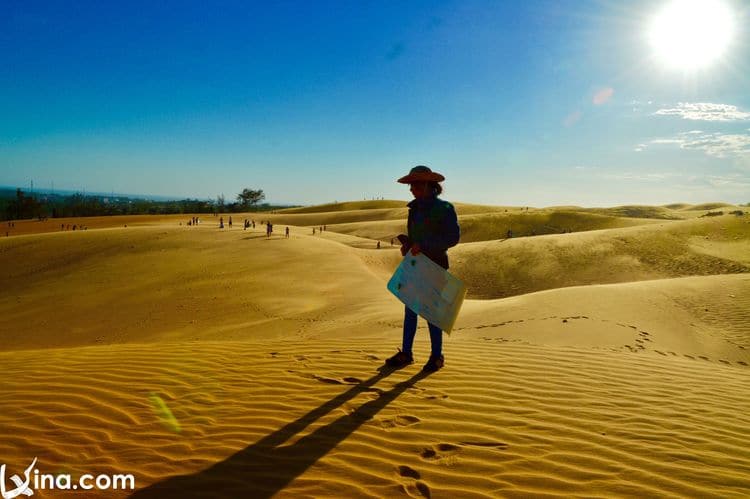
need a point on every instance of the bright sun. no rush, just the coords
(691, 34)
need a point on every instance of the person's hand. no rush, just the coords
(415, 249)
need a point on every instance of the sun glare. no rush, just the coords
(691, 34)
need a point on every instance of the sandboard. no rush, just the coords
(429, 290)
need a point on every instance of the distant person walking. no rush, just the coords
(286, 233)
(269, 229)
(432, 227)
(221, 222)
(230, 222)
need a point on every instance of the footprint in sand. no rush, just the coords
(438, 451)
(418, 489)
(408, 472)
(329, 381)
(332, 381)
(423, 489)
(495, 445)
(400, 421)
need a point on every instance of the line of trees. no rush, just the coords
(21, 205)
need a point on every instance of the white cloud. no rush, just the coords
(705, 111)
(716, 144)
(716, 186)
(731, 182)
(643, 177)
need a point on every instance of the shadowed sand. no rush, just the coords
(608, 361)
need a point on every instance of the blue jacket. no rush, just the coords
(433, 224)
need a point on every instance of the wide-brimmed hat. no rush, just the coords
(421, 173)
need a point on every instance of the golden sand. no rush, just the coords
(611, 361)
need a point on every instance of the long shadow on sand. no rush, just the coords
(267, 466)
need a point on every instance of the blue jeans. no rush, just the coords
(410, 330)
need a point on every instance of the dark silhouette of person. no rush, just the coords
(432, 227)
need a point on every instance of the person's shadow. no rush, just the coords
(267, 466)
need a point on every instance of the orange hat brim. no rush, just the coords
(421, 177)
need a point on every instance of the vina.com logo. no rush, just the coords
(33, 480)
(22, 487)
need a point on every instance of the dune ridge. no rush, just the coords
(607, 362)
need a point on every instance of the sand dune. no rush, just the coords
(494, 226)
(132, 284)
(346, 206)
(611, 362)
(705, 246)
(255, 418)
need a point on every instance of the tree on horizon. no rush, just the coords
(250, 197)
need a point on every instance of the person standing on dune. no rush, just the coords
(432, 228)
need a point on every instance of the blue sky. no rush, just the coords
(524, 103)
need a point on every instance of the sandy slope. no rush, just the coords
(155, 283)
(210, 362)
(504, 419)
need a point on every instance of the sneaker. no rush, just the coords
(401, 359)
(435, 363)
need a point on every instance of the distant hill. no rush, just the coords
(346, 206)
(635, 211)
(710, 206)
